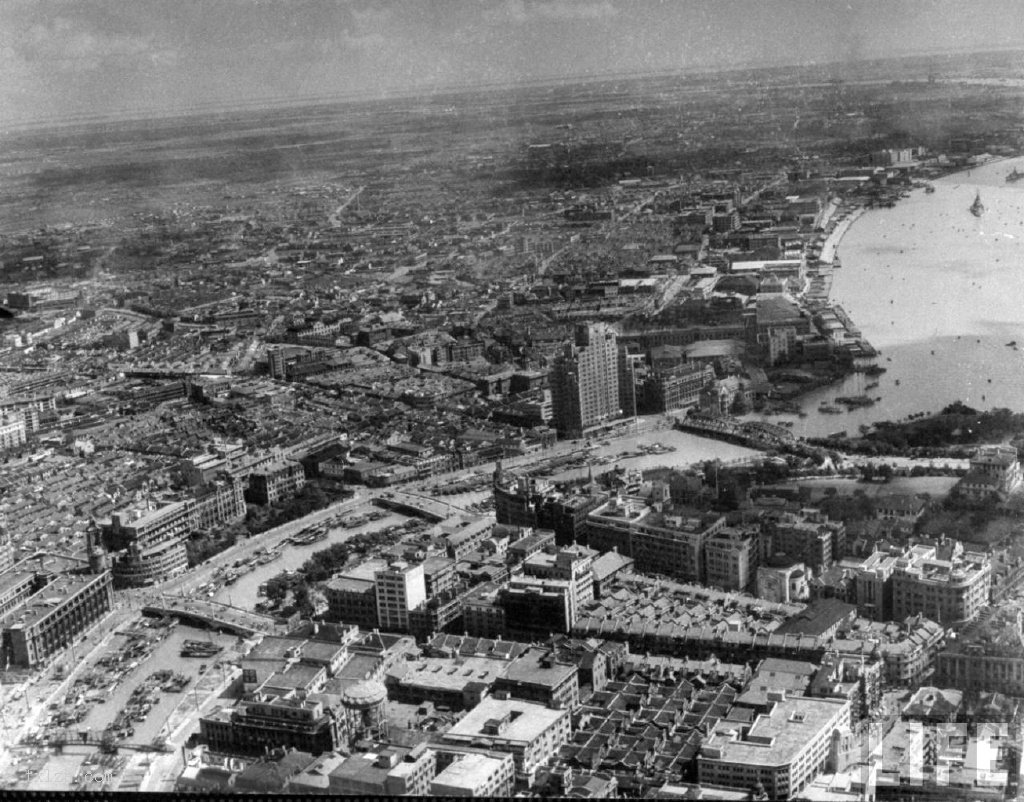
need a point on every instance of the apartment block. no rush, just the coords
(400, 587)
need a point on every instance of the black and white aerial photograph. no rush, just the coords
(598, 399)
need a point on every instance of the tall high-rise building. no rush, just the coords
(400, 588)
(585, 380)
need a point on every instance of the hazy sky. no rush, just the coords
(61, 58)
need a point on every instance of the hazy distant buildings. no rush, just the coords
(12, 431)
(994, 472)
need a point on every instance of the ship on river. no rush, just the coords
(199, 648)
(309, 535)
(1014, 176)
(977, 208)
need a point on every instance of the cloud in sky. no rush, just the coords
(531, 11)
(73, 57)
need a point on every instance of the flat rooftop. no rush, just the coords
(528, 721)
(443, 673)
(349, 584)
(274, 647)
(470, 772)
(537, 667)
(775, 738)
(365, 571)
(11, 580)
(50, 599)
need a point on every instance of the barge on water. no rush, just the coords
(199, 648)
(308, 537)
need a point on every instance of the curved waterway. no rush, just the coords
(941, 294)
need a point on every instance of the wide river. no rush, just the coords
(941, 294)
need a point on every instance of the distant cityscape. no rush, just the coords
(464, 457)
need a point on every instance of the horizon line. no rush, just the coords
(210, 108)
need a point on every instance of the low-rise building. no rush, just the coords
(783, 582)
(307, 722)
(532, 733)
(385, 770)
(538, 676)
(478, 775)
(456, 683)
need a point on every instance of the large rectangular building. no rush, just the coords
(152, 541)
(659, 542)
(53, 618)
(948, 591)
(291, 720)
(783, 750)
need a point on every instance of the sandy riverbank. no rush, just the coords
(835, 237)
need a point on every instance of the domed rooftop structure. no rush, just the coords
(366, 693)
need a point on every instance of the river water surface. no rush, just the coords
(941, 294)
